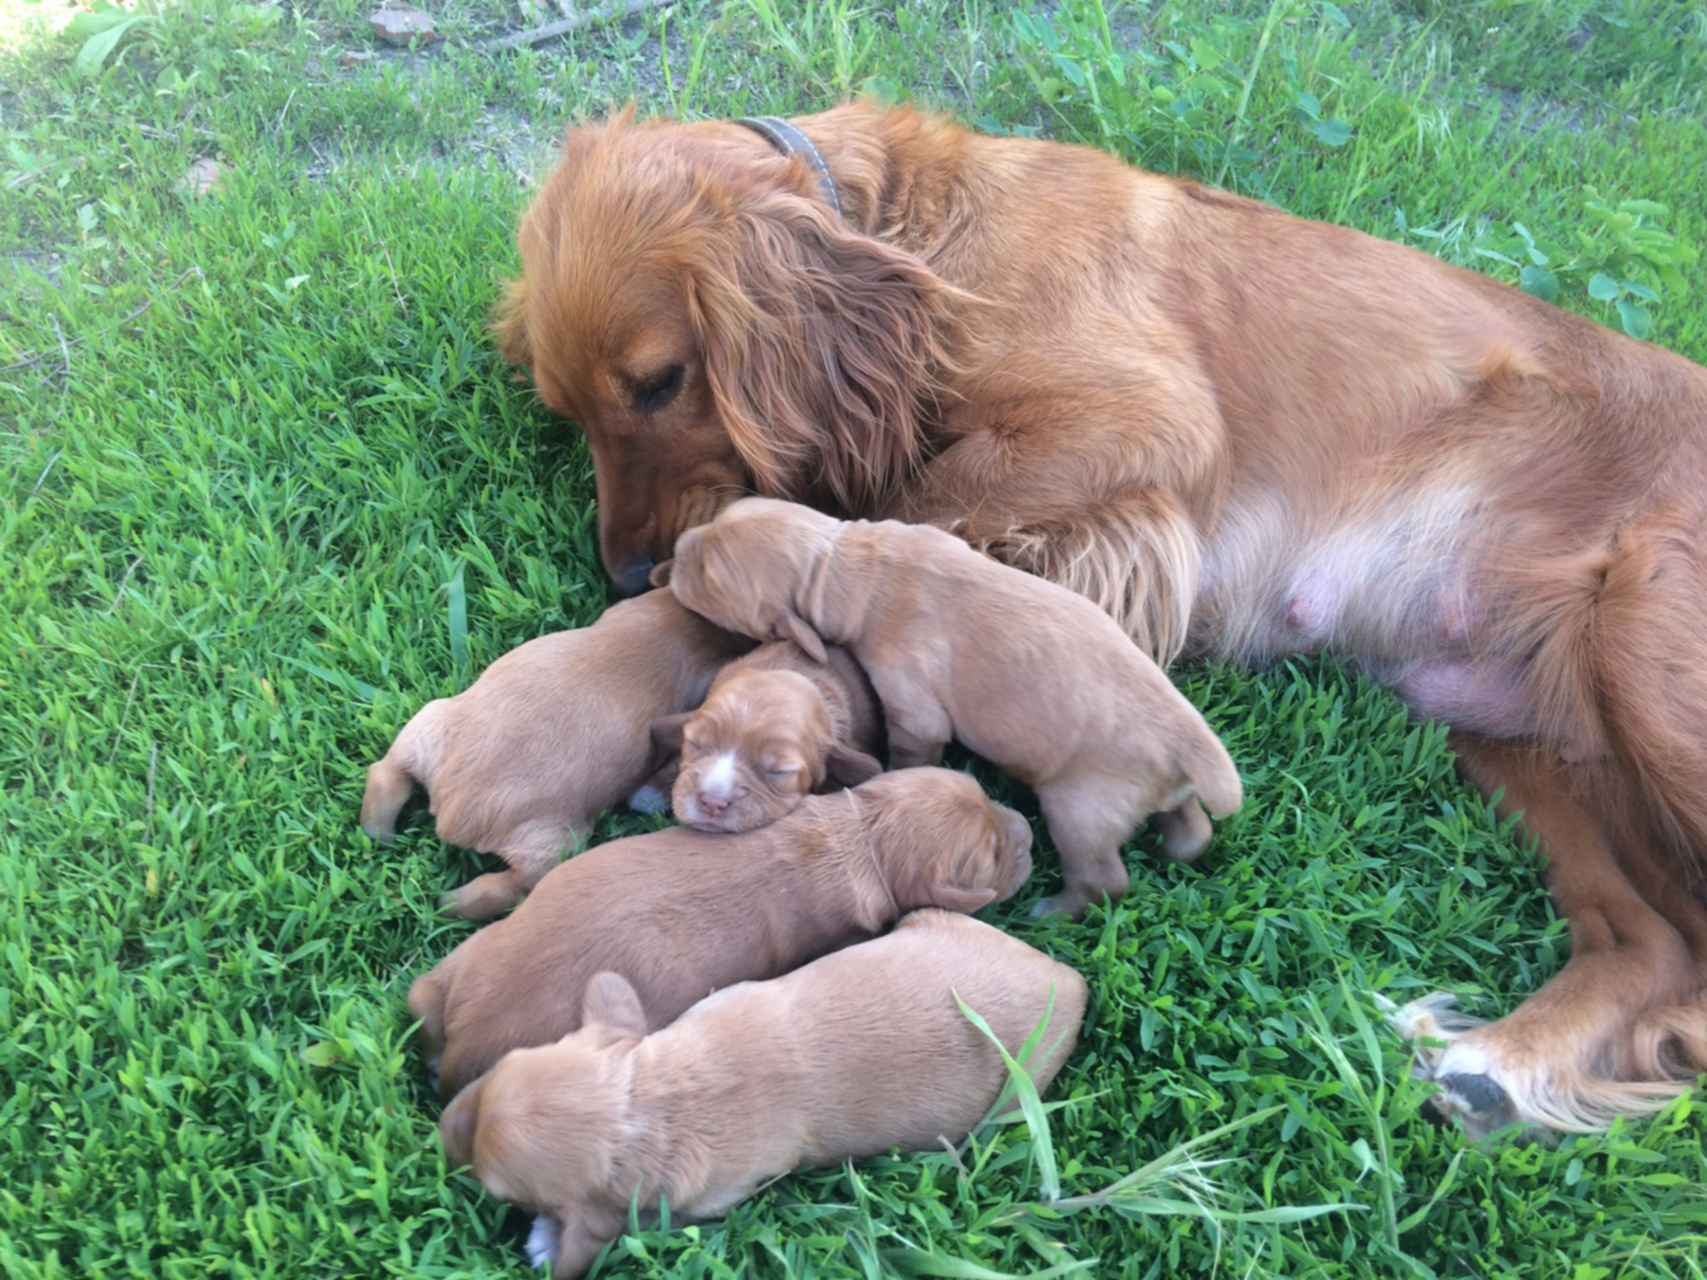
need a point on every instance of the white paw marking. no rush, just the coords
(542, 1242)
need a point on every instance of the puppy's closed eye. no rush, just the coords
(656, 390)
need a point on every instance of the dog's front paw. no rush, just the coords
(650, 801)
(542, 1242)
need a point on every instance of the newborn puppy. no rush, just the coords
(863, 1051)
(1031, 676)
(683, 913)
(777, 725)
(552, 734)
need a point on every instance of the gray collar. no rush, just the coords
(791, 142)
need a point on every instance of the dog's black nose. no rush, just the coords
(630, 579)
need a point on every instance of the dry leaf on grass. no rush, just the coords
(401, 24)
(203, 178)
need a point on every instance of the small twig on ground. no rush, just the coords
(42, 478)
(279, 123)
(123, 583)
(64, 350)
(551, 30)
(118, 733)
(65, 346)
(153, 762)
(396, 287)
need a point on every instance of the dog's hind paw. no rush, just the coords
(1478, 1103)
(542, 1242)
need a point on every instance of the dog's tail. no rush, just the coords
(392, 780)
(427, 1003)
(389, 787)
(1213, 776)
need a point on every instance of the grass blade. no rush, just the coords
(458, 620)
(1042, 1145)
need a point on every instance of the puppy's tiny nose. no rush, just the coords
(712, 806)
(630, 579)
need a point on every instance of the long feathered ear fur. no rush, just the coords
(824, 348)
(510, 325)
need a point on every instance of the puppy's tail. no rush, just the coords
(389, 787)
(1211, 773)
(391, 781)
(427, 1004)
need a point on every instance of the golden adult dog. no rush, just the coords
(1241, 433)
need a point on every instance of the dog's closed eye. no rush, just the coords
(655, 391)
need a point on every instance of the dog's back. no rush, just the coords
(1034, 676)
(550, 735)
(867, 1047)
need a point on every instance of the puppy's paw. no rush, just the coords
(542, 1242)
(650, 801)
(1186, 831)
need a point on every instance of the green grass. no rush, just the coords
(250, 441)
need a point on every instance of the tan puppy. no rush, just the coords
(551, 735)
(683, 913)
(775, 727)
(1031, 676)
(858, 1053)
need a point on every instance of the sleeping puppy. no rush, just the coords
(776, 726)
(551, 735)
(1031, 676)
(856, 1054)
(683, 913)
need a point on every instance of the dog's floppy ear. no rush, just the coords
(848, 768)
(791, 626)
(510, 324)
(823, 345)
(612, 1003)
(460, 1122)
(953, 897)
(666, 734)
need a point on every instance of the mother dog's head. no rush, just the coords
(688, 298)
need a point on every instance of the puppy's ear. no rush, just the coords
(666, 733)
(510, 324)
(952, 897)
(612, 1002)
(848, 768)
(460, 1122)
(660, 575)
(791, 626)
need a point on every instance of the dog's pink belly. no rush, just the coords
(1379, 595)
(1486, 698)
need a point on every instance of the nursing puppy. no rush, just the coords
(863, 1051)
(551, 735)
(776, 726)
(682, 913)
(1031, 676)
